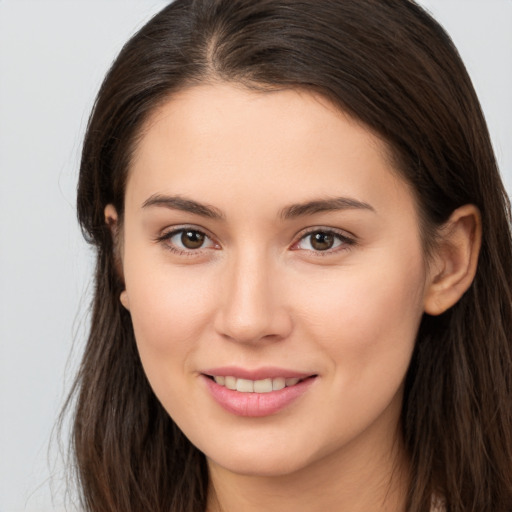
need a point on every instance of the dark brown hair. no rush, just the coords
(388, 64)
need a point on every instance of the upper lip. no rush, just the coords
(269, 372)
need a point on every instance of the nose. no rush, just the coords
(252, 307)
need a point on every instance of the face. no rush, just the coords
(275, 277)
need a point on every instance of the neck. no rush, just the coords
(356, 479)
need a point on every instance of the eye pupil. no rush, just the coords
(192, 239)
(322, 241)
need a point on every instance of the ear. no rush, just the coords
(455, 259)
(124, 300)
(112, 221)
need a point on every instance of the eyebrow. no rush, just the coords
(289, 212)
(186, 205)
(324, 205)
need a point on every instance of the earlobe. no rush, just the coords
(112, 221)
(455, 260)
(124, 300)
(111, 217)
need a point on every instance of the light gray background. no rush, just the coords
(53, 55)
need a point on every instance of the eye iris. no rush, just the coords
(322, 241)
(192, 239)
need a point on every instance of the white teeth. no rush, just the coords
(255, 386)
(278, 383)
(230, 382)
(245, 386)
(263, 386)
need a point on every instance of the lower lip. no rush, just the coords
(256, 404)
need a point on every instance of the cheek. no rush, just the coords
(169, 309)
(365, 323)
(367, 318)
(169, 312)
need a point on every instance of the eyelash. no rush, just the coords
(166, 237)
(345, 242)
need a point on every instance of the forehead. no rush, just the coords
(282, 143)
(235, 110)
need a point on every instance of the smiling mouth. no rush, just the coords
(267, 393)
(256, 386)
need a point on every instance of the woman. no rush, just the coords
(303, 289)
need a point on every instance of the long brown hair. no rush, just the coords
(388, 64)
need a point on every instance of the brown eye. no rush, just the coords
(321, 241)
(192, 239)
(187, 241)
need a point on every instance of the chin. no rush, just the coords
(277, 466)
(270, 459)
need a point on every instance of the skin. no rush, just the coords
(257, 292)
